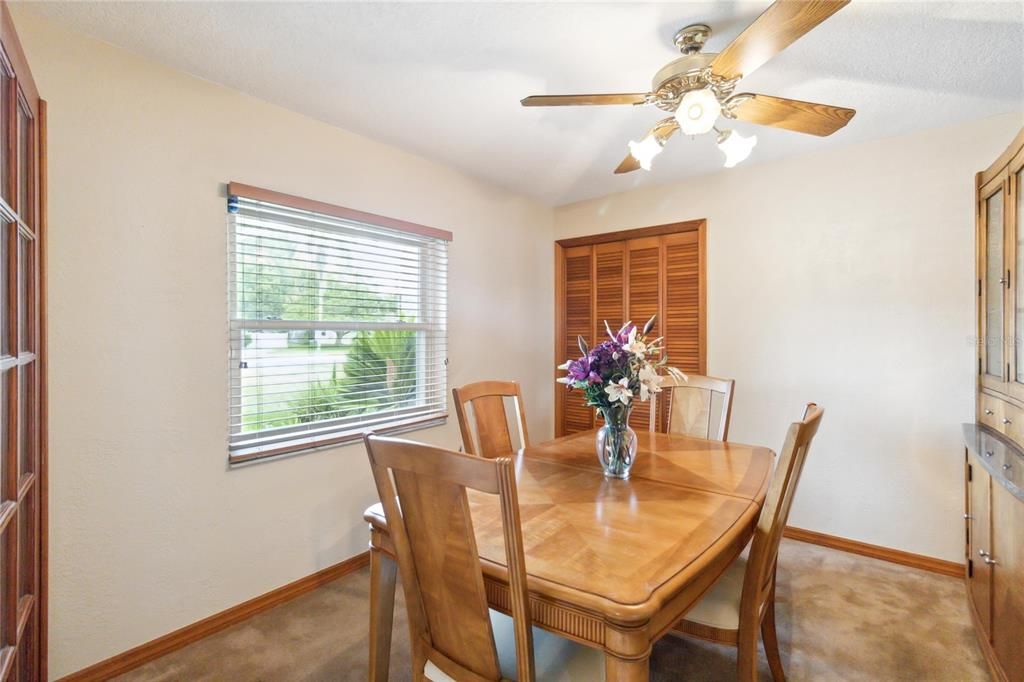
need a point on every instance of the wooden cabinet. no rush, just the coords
(629, 275)
(995, 444)
(994, 487)
(1008, 581)
(979, 542)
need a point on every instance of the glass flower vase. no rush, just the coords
(616, 441)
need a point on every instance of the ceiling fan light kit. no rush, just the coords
(698, 88)
(736, 147)
(697, 112)
(646, 149)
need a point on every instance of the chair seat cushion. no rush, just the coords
(720, 606)
(557, 659)
(374, 515)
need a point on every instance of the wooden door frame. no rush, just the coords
(699, 226)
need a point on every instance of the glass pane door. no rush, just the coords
(22, 580)
(994, 281)
(1018, 315)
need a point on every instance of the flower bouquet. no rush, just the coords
(611, 376)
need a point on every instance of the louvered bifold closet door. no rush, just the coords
(684, 329)
(578, 273)
(632, 279)
(644, 300)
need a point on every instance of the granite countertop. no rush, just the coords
(1001, 458)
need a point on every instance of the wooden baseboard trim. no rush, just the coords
(144, 653)
(896, 556)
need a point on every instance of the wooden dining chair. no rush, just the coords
(486, 399)
(743, 600)
(699, 407)
(454, 636)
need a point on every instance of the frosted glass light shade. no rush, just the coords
(645, 150)
(697, 112)
(735, 147)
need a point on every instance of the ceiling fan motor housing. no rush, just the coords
(692, 72)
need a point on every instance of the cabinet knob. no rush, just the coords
(982, 553)
(989, 453)
(968, 517)
(990, 561)
(1003, 280)
(989, 412)
(1006, 467)
(1006, 421)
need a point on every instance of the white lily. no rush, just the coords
(619, 390)
(650, 382)
(633, 345)
(565, 365)
(565, 380)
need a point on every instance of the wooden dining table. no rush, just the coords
(612, 564)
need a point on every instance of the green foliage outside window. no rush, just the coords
(375, 370)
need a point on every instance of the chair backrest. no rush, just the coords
(699, 407)
(764, 549)
(423, 492)
(487, 401)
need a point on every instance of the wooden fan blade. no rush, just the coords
(628, 165)
(578, 100)
(777, 28)
(792, 114)
(664, 129)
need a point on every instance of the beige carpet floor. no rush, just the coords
(840, 617)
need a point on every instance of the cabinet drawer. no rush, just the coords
(990, 411)
(1012, 423)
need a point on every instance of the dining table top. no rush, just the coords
(623, 548)
(613, 564)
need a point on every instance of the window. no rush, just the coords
(338, 323)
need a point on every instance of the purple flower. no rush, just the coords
(605, 358)
(594, 378)
(579, 370)
(623, 335)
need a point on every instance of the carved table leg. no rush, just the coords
(620, 670)
(382, 611)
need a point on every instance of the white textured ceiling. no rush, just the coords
(444, 80)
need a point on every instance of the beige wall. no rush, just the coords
(844, 278)
(150, 530)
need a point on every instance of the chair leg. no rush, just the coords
(746, 654)
(771, 641)
(383, 570)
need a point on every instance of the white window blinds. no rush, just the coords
(337, 326)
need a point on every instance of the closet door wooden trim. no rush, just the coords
(636, 233)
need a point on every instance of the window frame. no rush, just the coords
(275, 442)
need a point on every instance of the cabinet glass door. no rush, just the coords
(1018, 315)
(994, 282)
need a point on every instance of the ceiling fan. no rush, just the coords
(698, 88)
